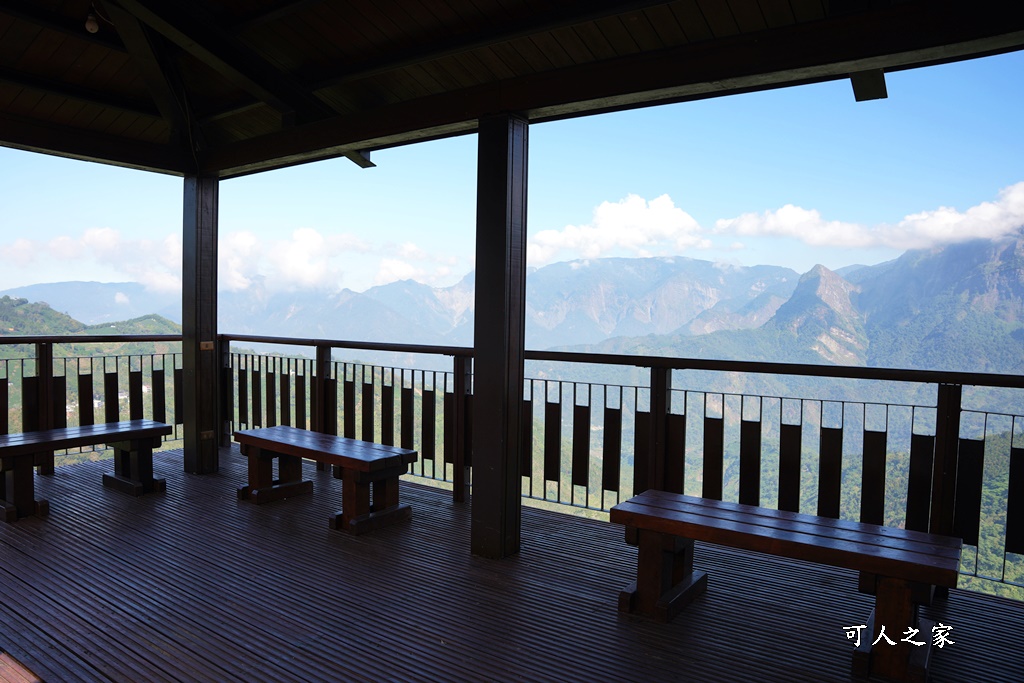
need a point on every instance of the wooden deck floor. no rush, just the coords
(193, 585)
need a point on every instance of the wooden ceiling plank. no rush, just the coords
(618, 36)
(73, 92)
(595, 41)
(568, 40)
(692, 21)
(640, 28)
(558, 18)
(807, 10)
(719, 18)
(556, 52)
(748, 16)
(777, 13)
(227, 56)
(664, 22)
(31, 12)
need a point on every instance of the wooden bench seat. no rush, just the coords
(898, 566)
(132, 441)
(369, 473)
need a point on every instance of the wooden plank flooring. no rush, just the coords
(194, 585)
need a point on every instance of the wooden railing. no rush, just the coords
(927, 450)
(44, 384)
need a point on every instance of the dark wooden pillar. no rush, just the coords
(499, 334)
(200, 355)
(947, 446)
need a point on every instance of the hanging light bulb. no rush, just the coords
(91, 24)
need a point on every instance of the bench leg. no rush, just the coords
(262, 487)
(17, 490)
(665, 579)
(361, 512)
(133, 468)
(896, 611)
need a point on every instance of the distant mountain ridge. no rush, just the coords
(960, 307)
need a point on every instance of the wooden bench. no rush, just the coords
(899, 567)
(133, 442)
(369, 473)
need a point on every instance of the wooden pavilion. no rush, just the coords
(214, 90)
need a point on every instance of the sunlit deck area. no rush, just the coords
(194, 585)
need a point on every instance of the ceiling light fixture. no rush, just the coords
(92, 25)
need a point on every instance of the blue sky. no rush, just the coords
(791, 177)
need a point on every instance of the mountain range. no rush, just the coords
(960, 307)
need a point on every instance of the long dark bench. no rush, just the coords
(369, 473)
(899, 567)
(132, 441)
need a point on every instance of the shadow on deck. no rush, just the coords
(193, 585)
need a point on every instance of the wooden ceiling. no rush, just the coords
(228, 87)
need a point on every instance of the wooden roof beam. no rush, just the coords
(770, 59)
(76, 143)
(186, 26)
(264, 16)
(161, 76)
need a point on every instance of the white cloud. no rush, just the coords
(393, 270)
(632, 225)
(121, 299)
(922, 230)
(20, 252)
(794, 221)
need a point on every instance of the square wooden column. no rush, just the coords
(499, 334)
(200, 348)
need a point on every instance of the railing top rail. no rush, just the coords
(847, 372)
(79, 338)
(360, 346)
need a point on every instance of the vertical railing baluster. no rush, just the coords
(387, 409)
(135, 407)
(270, 390)
(349, 401)
(750, 456)
(408, 413)
(369, 409)
(675, 451)
(830, 468)
(969, 481)
(657, 441)
(160, 393)
(580, 475)
(5, 397)
(462, 375)
(714, 449)
(1014, 500)
(611, 453)
(872, 496)
(552, 436)
(301, 420)
(111, 398)
(285, 391)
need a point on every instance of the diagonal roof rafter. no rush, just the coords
(190, 29)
